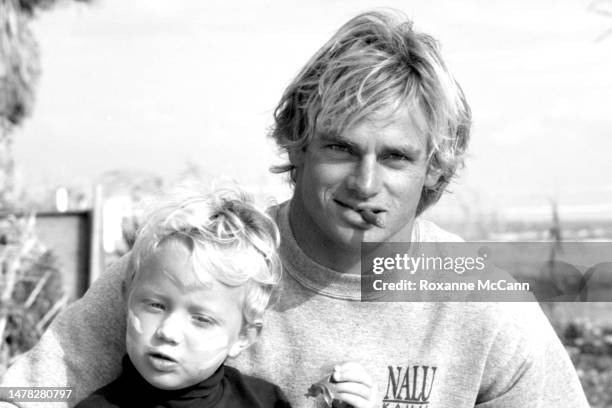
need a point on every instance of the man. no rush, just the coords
(374, 127)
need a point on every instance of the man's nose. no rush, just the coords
(169, 329)
(365, 181)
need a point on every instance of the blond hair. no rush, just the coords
(229, 238)
(375, 61)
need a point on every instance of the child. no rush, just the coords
(200, 276)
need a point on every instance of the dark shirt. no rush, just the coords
(227, 387)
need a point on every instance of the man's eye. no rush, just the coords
(338, 148)
(398, 157)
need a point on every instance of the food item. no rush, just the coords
(326, 388)
(371, 217)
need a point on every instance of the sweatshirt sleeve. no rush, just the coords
(529, 367)
(82, 347)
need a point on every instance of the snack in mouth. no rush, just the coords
(372, 218)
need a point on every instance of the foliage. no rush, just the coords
(29, 7)
(590, 348)
(603, 8)
(19, 73)
(31, 290)
(19, 63)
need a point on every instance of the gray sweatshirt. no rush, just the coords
(426, 355)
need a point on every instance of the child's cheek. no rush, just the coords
(211, 344)
(210, 352)
(134, 331)
(134, 322)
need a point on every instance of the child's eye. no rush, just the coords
(203, 320)
(152, 305)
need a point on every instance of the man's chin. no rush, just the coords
(350, 239)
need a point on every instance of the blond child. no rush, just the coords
(200, 275)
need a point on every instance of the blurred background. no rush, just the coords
(103, 102)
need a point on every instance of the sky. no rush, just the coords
(157, 85)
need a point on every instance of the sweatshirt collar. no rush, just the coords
(311, 274)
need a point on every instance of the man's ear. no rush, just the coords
(432, 177)
(125, 291)
(296, 157)
(247, 337)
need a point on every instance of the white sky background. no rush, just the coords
(154, 84)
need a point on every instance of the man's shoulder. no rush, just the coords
(274, 210)
(515, 330)
(427, 231)
(96, 401)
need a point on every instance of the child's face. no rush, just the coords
(179, 335)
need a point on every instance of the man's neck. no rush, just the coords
(319, 248)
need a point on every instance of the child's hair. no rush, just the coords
(227, 235)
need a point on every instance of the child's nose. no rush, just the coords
(169, 330)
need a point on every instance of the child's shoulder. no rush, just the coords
(104, 397)
(256, 390)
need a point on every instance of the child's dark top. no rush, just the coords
(227, 387)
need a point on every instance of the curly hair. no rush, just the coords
(376, 61)
(230, 240)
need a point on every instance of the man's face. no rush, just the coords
(178, 335)
(379, 164)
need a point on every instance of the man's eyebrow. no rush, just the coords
(406, 150)
(339, 139)
(336, 138)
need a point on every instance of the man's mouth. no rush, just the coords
(369, 214)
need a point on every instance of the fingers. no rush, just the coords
(354, 385)
(352, 371)
(353, 388)
(358, 400)
(355, 401)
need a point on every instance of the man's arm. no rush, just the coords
(83, 346)
(528, 366)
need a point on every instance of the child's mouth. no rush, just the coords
(162, 357)
(161, 362)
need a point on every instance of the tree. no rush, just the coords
(603, 8)
(19, 73)
(31, 292)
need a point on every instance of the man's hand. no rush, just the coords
(354, 385)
